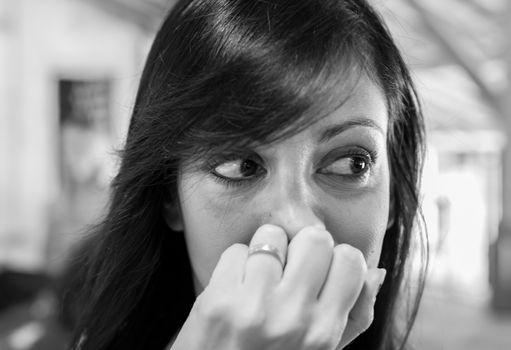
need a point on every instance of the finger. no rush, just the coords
(231, 266)
(361, 316)
(344, 281)
(263, 270)
(308, 261)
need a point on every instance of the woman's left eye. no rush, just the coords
(352, 166)
(237, 170)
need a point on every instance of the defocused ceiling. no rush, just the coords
(469, 34)
(146, 13)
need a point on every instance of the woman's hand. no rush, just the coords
(322, 299)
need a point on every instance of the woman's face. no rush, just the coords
(334, 174)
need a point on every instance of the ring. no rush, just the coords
(265, 248)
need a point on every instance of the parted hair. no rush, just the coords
(228, 73)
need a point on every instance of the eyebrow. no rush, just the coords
(337, 129)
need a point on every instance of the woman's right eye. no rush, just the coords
(237, 170)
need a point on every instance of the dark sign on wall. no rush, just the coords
(84, 135)
(86, 103)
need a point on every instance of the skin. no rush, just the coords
(323, 202)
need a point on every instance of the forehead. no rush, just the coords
(360, 97)
(361, 102)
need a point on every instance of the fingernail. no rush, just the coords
(381, 279)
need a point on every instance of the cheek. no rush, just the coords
(211, 225)
(361, 222)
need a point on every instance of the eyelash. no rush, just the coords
(233, 183)
(369, 156)
(228, 182)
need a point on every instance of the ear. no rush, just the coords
(172, 215)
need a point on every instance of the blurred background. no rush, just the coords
(68, 74)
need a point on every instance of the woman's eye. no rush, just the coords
(348, 166)
(238, 169)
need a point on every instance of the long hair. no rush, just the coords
(227, 73)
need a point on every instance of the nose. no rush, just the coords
(293, 206)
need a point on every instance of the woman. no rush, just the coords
(268, 183)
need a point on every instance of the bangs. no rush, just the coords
(263, 72)
(246, 109)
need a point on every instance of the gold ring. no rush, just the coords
(265, 248)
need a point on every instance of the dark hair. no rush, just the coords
(227, 73)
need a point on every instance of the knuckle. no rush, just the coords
(273, 229)
(284, 330)
(231, 257)
(234, 250)
(367, 319)
(364, 321)
(317, 237)
(302, 316)
(213, 311)
(273, 234)
(320, 340)
(227, 313)
(249, 318)
(351, 256)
